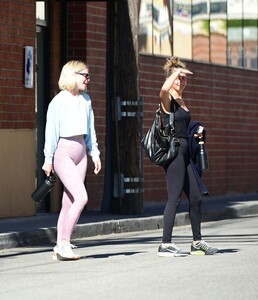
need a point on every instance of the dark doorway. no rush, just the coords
(42, 100)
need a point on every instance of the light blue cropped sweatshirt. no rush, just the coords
(69, 116)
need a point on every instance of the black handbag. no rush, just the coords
(160, 144)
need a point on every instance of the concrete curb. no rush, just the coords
(47, 236)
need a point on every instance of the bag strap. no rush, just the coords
(172, 117)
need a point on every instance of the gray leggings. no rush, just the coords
(180, 178)
(70, 164)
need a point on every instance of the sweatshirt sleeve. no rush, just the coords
(52, 133)
(91, 138)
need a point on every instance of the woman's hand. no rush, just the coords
(97, 164)
(47, 168)
(198, 135)
(182, 72)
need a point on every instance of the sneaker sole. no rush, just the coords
(197, 253)
(167, 254)
(56, 257)
(201, 253)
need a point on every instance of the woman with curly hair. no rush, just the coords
(180, 176)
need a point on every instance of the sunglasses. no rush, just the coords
(86, 75)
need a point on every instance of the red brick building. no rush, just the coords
(223, 98)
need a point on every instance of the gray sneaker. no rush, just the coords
(171, 250)
(203, 248)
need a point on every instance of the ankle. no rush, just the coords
(196, 242)
(64, 242)
(166, 244)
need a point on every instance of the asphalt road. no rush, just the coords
(126, 266)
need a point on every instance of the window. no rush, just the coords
(215, 31)
(201, 30)
(218, 32)
(182, 28)
(249, 32)
(41, 17)
(155, 28)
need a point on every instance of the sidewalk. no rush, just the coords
(41, 229)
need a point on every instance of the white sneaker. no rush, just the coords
(64, 252)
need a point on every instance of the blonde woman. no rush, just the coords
(180, 176)
(69, 135)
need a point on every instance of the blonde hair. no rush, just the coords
(67, 79)
(173, 62)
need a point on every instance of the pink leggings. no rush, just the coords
(70, 164)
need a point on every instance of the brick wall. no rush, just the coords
(17, 103)
(225, 101)
(55, 61)
(87, 41)
(17, 109)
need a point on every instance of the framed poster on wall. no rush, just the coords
(28, 67)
